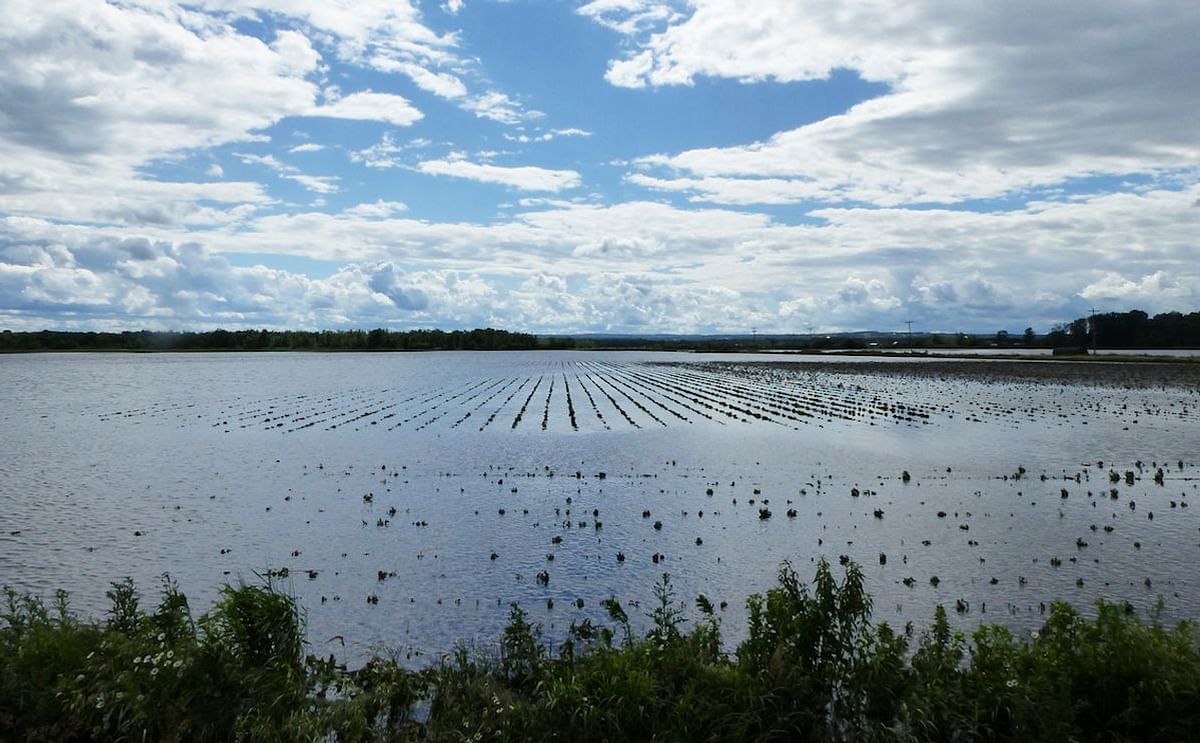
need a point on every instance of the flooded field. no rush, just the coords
(408, 499)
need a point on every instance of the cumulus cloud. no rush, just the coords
(1157, 289)
(108, 279)
(389, 280)
(122, 85)
(982, 101)
(94, 92)
(390, 36)
(872, 293)
(632, 267)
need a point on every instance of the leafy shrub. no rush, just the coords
(813, 666)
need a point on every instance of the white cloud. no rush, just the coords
(357, 28)
(441, 84)
(631, 267)
(569, 132)
(546, 136)
(93, 92)
(314, 183)
(499, 107)
(63, 193)
(389, 36)
(119, 86)
(386, 154)
(983, 100)
(267, 161)
(726, 190)
(526, 178)
(1158, 288)
(873, 294)
(629, 16)
(980, 101)
(370, 106)
(378, 209)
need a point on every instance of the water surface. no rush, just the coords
(412, 497)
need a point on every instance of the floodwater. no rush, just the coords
(408, 499)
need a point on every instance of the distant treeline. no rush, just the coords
(695, 343)
(1133, 329)
(272, 340)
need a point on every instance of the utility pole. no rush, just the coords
(1095, 333)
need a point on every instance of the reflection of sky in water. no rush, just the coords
(269, 454)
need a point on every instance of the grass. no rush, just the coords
(814, 666)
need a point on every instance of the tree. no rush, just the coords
(1029, 336)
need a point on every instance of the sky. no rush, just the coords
(597, 166)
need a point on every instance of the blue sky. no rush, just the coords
(596, 166)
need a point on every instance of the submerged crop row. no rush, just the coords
(814, 666)
(649, 395)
